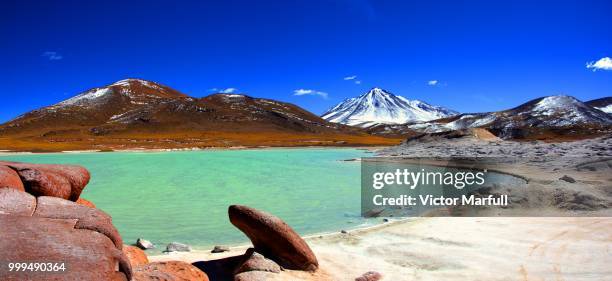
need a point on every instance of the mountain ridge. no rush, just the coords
(140, 113)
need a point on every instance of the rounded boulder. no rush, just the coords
(273, 238)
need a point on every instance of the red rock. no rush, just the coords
(86, 254)
(63, 181)
(273, 238)
(88, 218)
(16, 202)
(10, 178)
(135, 255)
(85, 203)
(369, 276)
(169, 271)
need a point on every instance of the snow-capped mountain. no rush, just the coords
(538, 118)
(378, 106)
(130, 91)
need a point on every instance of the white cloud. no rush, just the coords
(303, 92)
(350, 77)
(52, 55)
(357, 82)
(223, 91)
(604, 63)
(229, 90)
(432, 82)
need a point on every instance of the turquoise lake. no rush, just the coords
(183, 196)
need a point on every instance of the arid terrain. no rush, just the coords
(140, 114)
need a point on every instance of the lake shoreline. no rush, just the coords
(406, 248)
(157, 150)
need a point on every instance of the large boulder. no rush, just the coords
(273, 238)
(63, 181)
(79, 241)
(169, 271)
(135, 255)
(87, 218)
(84, 254)
(10, 178)
(16, 202)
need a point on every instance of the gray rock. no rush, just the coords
(178, 247)
(144, 244)
(257, 262)
(567, 179)
(253, 276)
(369, 276)
(220, 249)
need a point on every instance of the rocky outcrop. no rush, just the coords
(135, 255)
(62, 181)
(32, 232)
(10, 178)
(39, 221)
(170, 271)
(273, 238)
(87, 218)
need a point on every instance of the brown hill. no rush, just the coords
(136, 113)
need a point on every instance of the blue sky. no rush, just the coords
(484, 55)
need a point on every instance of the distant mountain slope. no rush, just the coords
(378, 106)
(603, 104)
(543, 118)
(133, 109)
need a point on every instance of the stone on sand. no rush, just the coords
(144, 244)
(178, 247)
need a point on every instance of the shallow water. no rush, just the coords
(183, 196)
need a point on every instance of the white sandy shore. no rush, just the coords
(482, 248)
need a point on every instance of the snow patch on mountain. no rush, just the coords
(606, 109)
(380, 106)
(86, 96)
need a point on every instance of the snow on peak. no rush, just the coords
(127, 82)
(556, 102)
(381, 106)
(88, 96)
